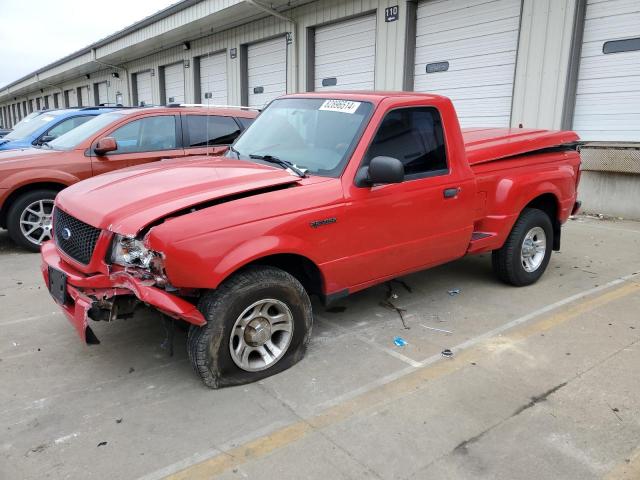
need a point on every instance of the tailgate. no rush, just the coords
(484, 145)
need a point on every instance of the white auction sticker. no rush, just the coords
(342, 106)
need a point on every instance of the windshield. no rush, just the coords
(74, 137)
(30, 124)
(313, 134)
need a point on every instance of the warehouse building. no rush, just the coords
(571, 64)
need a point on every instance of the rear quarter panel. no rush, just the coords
(507, 186)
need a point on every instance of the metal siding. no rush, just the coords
(608, 91)
(346, 51)
(542, 68)
(389, 65)
(174, 83)
(266, 69)
(213, 79)
(143, 88)
(479, 39)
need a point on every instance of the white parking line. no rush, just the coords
(373, 343)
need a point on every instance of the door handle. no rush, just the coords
(451, 192)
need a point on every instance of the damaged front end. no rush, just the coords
(133, 275)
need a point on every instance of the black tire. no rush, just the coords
(15, 212)
(507, 263)
(209, 346)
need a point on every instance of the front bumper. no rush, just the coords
(85, 292)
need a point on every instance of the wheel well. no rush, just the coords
(548, 203)
(303, 269)
(22, 190)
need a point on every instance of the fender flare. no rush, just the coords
(258, 248)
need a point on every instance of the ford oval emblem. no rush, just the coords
(66, 234)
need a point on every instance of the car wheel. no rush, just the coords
(29, 219)
(258, 324)
(525, 255)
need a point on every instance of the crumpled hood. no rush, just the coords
(125, 201)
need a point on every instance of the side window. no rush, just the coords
(415, 137)
(245, 122)
(211, 130)
(67, 125)
(146, 135)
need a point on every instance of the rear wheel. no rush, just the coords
(258, 324)
(29, 219)
(525, 255)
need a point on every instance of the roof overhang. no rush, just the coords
(184, 21)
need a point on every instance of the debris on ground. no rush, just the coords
(118, 420)
(447, 353)
(454, 291)
(615, 411)
(38, 449)
(399, 341)
(437, 329)
(131, 369)
(102, 444)
(387, 303)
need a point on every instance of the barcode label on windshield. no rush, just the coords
(342, 106)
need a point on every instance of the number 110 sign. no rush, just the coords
(391, 14)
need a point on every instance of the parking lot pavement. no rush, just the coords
(542, 383)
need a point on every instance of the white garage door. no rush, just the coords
(84, 96)
(174, 83)
(103, 93)
(266, 71)
(345, 55)
(213, 79)
(143, 88)
(71, 97)
(466, 50)
(608, 91)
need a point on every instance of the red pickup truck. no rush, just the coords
(324, 194)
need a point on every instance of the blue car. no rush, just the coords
(46, 125)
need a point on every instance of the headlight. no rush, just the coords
(130, 252)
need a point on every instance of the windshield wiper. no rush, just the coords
(283, 163)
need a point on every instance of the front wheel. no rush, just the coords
(525, 255)
(258, 324)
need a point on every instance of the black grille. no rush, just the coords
(73, 237)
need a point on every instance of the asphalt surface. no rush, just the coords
(542, 383)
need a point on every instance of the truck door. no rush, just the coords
(142, 140)
(423, 221)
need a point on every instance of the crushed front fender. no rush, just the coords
(85, 291)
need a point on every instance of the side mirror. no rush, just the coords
(46, 139)
(105, 145)
(381, 170)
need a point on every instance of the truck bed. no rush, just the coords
(485, 145)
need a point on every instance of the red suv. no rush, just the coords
(31, 178)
